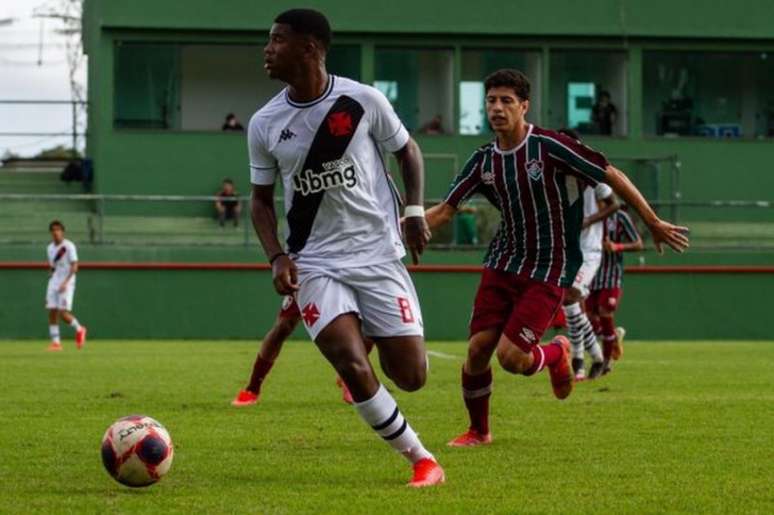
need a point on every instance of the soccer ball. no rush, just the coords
(137, 451)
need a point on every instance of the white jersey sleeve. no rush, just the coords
(263, 166)
(602, 191)
(72, 252)
(386, 128)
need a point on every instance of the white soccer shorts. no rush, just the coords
(57, 300)
(587, 271)
(382, 295)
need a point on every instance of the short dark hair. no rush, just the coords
(510, 79)
(307, 22)
(569, 132)
(55, 223)
(228, 181)
(604, 93)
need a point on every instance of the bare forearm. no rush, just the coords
(439, 214)
(412, 169)
(265, 224)
(625, 189)
(610, 207)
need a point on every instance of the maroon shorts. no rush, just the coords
(289, 309)
(518, 307)
(606, 298)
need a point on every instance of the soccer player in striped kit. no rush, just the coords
(536, 178)
(621, 236)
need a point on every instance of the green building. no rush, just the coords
(694, 80)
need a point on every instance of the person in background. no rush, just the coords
(232, 123)
(466, 231)
(433, 127)
(227, 204)
(63, 265)
(604, 114)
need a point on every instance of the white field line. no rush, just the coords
(443, 355)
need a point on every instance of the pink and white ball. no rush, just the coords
(137, 451)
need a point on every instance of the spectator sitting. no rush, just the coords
(603, 114)
(232, 124)
(227, 204)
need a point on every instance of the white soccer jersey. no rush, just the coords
(591, 236)
(60, 259)
(341, 206)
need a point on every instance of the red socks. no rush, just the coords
(608, 335)
(476, 391)
(543, 356)
(260, 369)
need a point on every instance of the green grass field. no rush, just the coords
(677, 427)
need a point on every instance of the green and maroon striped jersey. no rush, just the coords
(619, 228)
(538, 188)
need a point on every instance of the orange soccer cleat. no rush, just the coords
(245, 398)
(54, 347)
(80, 337)
(346, 395)
(427, 472)
(471, 438)
(561, 371)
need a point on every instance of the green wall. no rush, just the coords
(240, 304)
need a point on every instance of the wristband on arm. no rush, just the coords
(275, 256)
(414, 212)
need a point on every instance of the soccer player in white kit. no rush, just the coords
(63, 263)
(579, 327)
(323, 137)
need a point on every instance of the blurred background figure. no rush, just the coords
(232, 123)
(603, 114)
(227, 204)
(434, 126)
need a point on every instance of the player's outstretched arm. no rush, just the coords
(607, 207)
(440, 214)
(412, 169)
(663, 232)
(264, 217)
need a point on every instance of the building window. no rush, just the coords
(194, 87)
(708, 94)
(418, 83)
(476, 65)
(147, 86)
(588, 92)
(344, 61)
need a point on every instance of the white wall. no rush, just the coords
(222, 79)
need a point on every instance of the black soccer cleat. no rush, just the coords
(596, 369)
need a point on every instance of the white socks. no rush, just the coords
(53, 332)
(74, 324)
(581, 333)
(382, 414)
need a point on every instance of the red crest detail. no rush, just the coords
(340, 124)
(310, 314)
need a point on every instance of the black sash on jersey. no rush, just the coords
(329, 144)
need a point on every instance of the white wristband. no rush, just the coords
(414, 211)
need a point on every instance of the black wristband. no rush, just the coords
(275, 256)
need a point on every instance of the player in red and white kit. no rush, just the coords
(324, 137)
(63, 263)
(536, 178)
(621, 236)
(287, 319)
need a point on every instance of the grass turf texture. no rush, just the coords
(677, 427)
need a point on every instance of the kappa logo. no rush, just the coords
(310, 314)
(340, 124)
(335, 174)
(286, 134)
(527, 335)
(535, 169)
(488, 177)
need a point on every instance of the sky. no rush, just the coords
(23, 77)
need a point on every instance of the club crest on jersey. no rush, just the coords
(535, 169)
(335, 174)
(488, 177)
(310, 314)
(340, 124)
